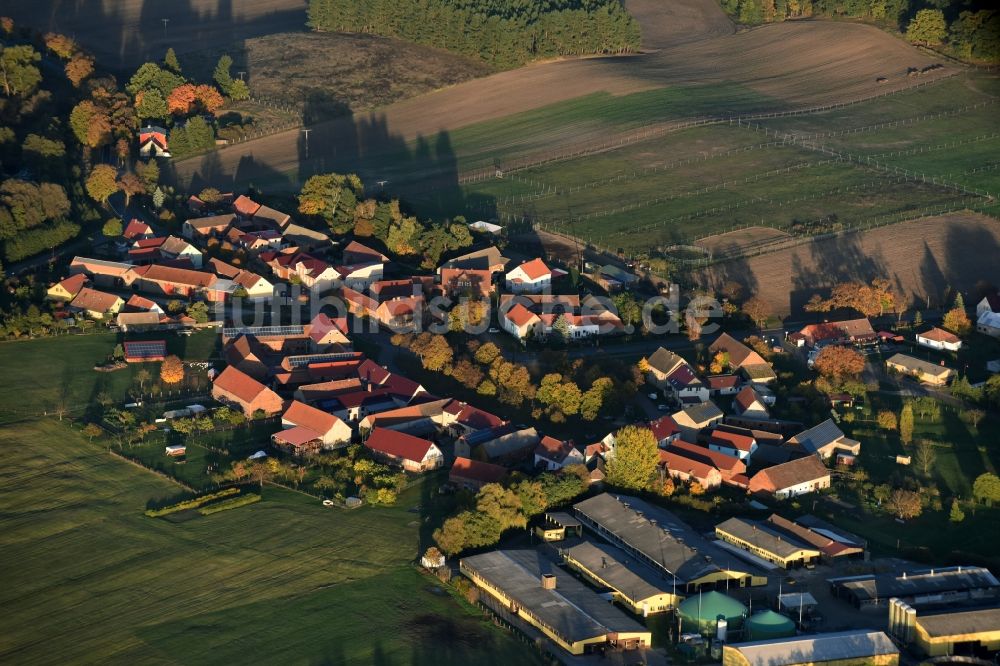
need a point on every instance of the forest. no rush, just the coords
(504, 33)
(965, 29)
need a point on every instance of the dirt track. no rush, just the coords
(795, 64)
(922, 258)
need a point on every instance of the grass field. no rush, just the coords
(91, 579)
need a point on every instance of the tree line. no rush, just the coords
(504, 33)
(969, 30)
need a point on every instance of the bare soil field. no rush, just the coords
(740, 239)
(922, 258)
(794, 64)
(125, 33)
(668, 23)
(329, 72)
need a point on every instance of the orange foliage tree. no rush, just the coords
(172, 370)
(61, 45)
(78, 68)
(183, 99)
(839, 363)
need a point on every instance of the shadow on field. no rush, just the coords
(839, 259)
(125, 33)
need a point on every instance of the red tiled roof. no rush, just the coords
(239, 384)
(140, 302)
(478, 419)
(357, 398)
(74, 283)
(474, 470)
(792, 473)
(401, 385)
(664, 427)
(679, 462)
(372, 372)
(731, 440)
(717, 459)
(718, 382)
(739, 353)
(398, 444)
(297, 436)
(93, 300)
(520, 315)
(245, 206)
(746, 397)
(940, 335)
(553, 449)
(135, 228)
(302, 414)
(355, 250)
(323, 324)
(181, 276)
(535, 269)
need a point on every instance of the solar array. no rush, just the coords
(146, 348)
(262, 331)
(299, 361)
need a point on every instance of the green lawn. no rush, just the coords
(90, 579)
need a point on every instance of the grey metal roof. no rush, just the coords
(953, 623)
(907, 585)
(816, 648)
(572, 610)
(759, 535)
(661, 538)
(622, 572)
(706, 411)
(562, 519)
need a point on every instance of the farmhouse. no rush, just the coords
(153, 142)
(106, 273)
(723, 384)
(529, 586)
(632, 583)
(694, 419)
(474, 474)
(659, 539)
(178, 282)
(744, 359)
(841, 648)
(733, 444)
(795, 477)
(137, 229)
(665, 430)
(472, 273)
(825, 440)
(924, 371)
(95, 304)
(411, 453)
(424, 417)
(760, 540)
(731, 468)
(689, 469)
(553, 454)
(851, 331)
(66, 290)
(205, 227)
(940, 339)
(239, 389)
(749, 403)
(329, 429)
(531, 277)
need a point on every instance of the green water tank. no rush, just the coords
(700, 612)
(768, 624)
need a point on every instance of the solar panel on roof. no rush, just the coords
(146, 348)
(299, 361)
(262, 331)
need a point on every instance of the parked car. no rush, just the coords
(653, 396)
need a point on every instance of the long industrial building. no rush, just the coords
(933, 587)
(840, 648)
(532, 587)
(633, 584)
(660, 540)
(968, 632)
(767, 543)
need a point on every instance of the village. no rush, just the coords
(765, 585)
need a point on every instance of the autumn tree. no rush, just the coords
(957, 321)
(130, 184)
(90, 124)
(868, 299)
(633, 466)
(956, 515)
(172, 370)
(102, 182)
(927, 27)
(79, 67)
(18, 73)
(559, 394)
(593, 400)
(61, 45)
(924, 456)
(434, 351)
(487, 353)
(906, 423)
(467, 373)
(904, 504)
(839, 363)
(757, 310)
(181, 99)
(986, 488)
(112, 228)
(887, 420)
(332, 197)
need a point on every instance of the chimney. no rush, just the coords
(548, 581)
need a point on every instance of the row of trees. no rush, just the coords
(505, 33)
(970, 30)
(339, 201)
(497, 508)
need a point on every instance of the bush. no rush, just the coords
(193, 503)
(233, 503)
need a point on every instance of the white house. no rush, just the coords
(178, 248)
(732, 444)
(257, 288)
(554, 454)
(531, 277)
(360, 276)
(940, 339)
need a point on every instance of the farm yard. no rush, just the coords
(93, 579)
(922, 258)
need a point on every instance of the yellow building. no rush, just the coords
(841, 648)
(965, 632)
(634, 585)
(525, 584)
(557, 525)
(766, 543)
